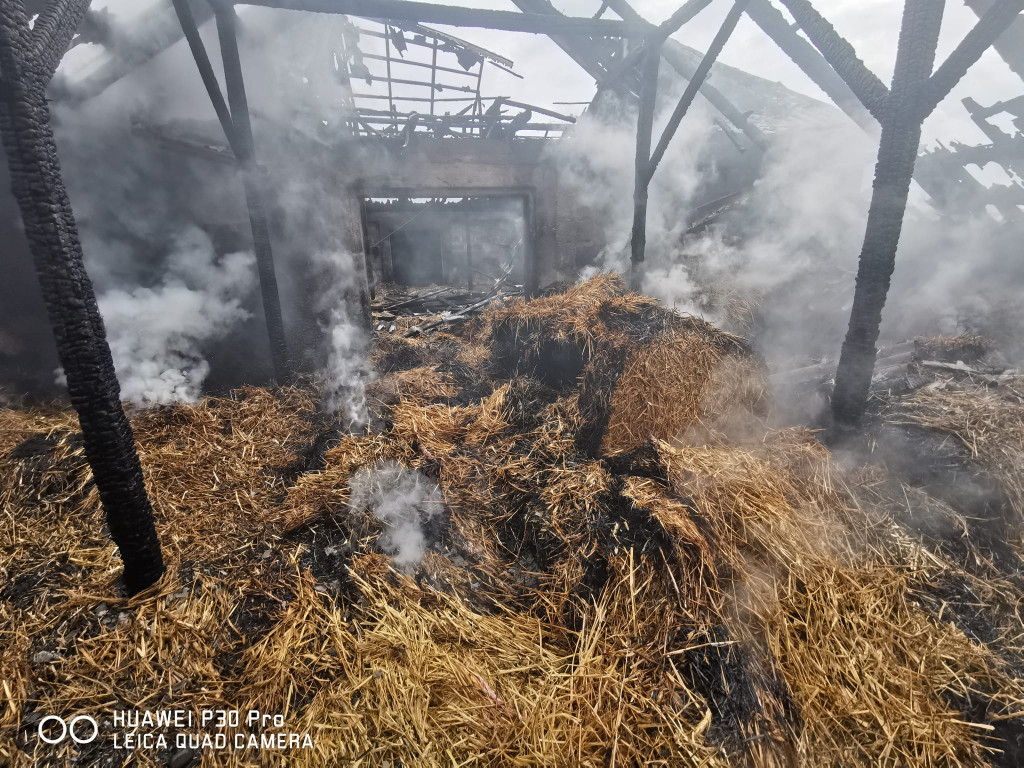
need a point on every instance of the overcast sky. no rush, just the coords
(872, 26)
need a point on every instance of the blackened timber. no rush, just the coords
(254, 183)
(897, 153)
(190, 29)
(53, 239)
(644, 129)
(430, 13)
(663, 31)
(981, 37)
(1009, 45)
(677, 58)
(841, 56)
(53, 31)
(692, 87)
(806, 56)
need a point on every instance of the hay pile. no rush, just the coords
(989, 423)
(643, 370)
(610, 572)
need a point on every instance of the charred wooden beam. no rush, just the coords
(988, 29)
(897, 153)
(1010, 45)
(644, 130)
(430, 13)
(254, 184)
(841, 56)
(806, 56)
(721, 38)
(27, 63)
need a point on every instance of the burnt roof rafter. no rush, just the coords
(430, 13)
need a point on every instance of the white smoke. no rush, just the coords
(403, 500)
(598, 163)
(785, 259)
(791, 248)
(347, 370)
(157, 333)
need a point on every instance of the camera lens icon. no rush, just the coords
(78, 733)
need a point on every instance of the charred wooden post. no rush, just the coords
(254, 182)
(644, 129)
(902, 114)
(28, 59)
(646, 162)
(721, 38)
(914, 95)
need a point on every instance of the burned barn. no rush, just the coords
(404, 383)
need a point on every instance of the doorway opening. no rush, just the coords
(465, 242)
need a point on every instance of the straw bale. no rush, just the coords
(683, 379)
(951, 348)
(988, 423)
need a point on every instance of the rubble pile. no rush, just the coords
(570, 535)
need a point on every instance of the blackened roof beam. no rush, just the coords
(774, 24)
(430, 13)
(841, 56)
(990, 26)
(660, 34)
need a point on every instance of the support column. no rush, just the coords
(53, 239)
(254, 182)
(901, 136)
(644, 129)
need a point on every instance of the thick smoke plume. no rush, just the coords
(780, 266)
(165, 230)
(347, 370)
(157, 334)
(404, 501)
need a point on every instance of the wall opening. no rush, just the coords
(468, 242)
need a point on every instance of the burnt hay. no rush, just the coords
(631, 567)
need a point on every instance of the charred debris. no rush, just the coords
(555, 521)
(567, 533)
